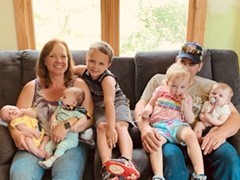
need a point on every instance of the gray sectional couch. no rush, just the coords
(17, 68)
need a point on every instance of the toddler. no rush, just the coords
(170, 113)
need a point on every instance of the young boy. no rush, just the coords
(169, 111)
(216, 110)
(25, 120)
(111, 112)
(69, 106)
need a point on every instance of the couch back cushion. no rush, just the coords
(124, 69)
(29, 58)
(153, 62)
(10, 77)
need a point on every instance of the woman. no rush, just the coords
(54, 74)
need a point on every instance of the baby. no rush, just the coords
(25, 120)
(69, 107)
(216, 110)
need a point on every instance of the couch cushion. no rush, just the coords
(8, 147)
(10, 77)
(79, 56)
(4, 171)
(29, 58)
(124, 69)
(150, 63)
(206, 70)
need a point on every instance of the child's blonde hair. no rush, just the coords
(176, 71)
(224, 86)
(103, 47)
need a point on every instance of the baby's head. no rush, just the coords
(178, 78)
(9, 112)
(73, 97)
(104, 48)
(220, 94)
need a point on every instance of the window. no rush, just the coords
(152, 25)
(113, 21)
(75, 21)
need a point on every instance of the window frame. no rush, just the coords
(109, 22)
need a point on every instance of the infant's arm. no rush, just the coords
(24, 128)
(29, 112)
(214, 121)
(75, 126)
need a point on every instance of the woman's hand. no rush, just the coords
(58, 133)
(19, 139)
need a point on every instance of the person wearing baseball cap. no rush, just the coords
(222, 159)
(192, 51)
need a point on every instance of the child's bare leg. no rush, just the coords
(156, 159)
(198, 129)
(124, 140)
(44, 142)
(35, 150)
(187, 135)
(104, 151)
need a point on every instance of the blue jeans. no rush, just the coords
(174, 166)
(69, 166)
(223, 163)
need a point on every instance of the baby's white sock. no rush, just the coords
(48, 163)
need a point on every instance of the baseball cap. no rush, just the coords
(192, 51)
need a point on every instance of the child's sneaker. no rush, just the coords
(156, 177)
(107, 175)
(198, 176)
(122, 167)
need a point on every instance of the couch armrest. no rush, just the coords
(235, 141)
(8, 147)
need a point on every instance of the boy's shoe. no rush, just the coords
(107, 175)
(198, 176)
(156, 177)
(122, 167)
